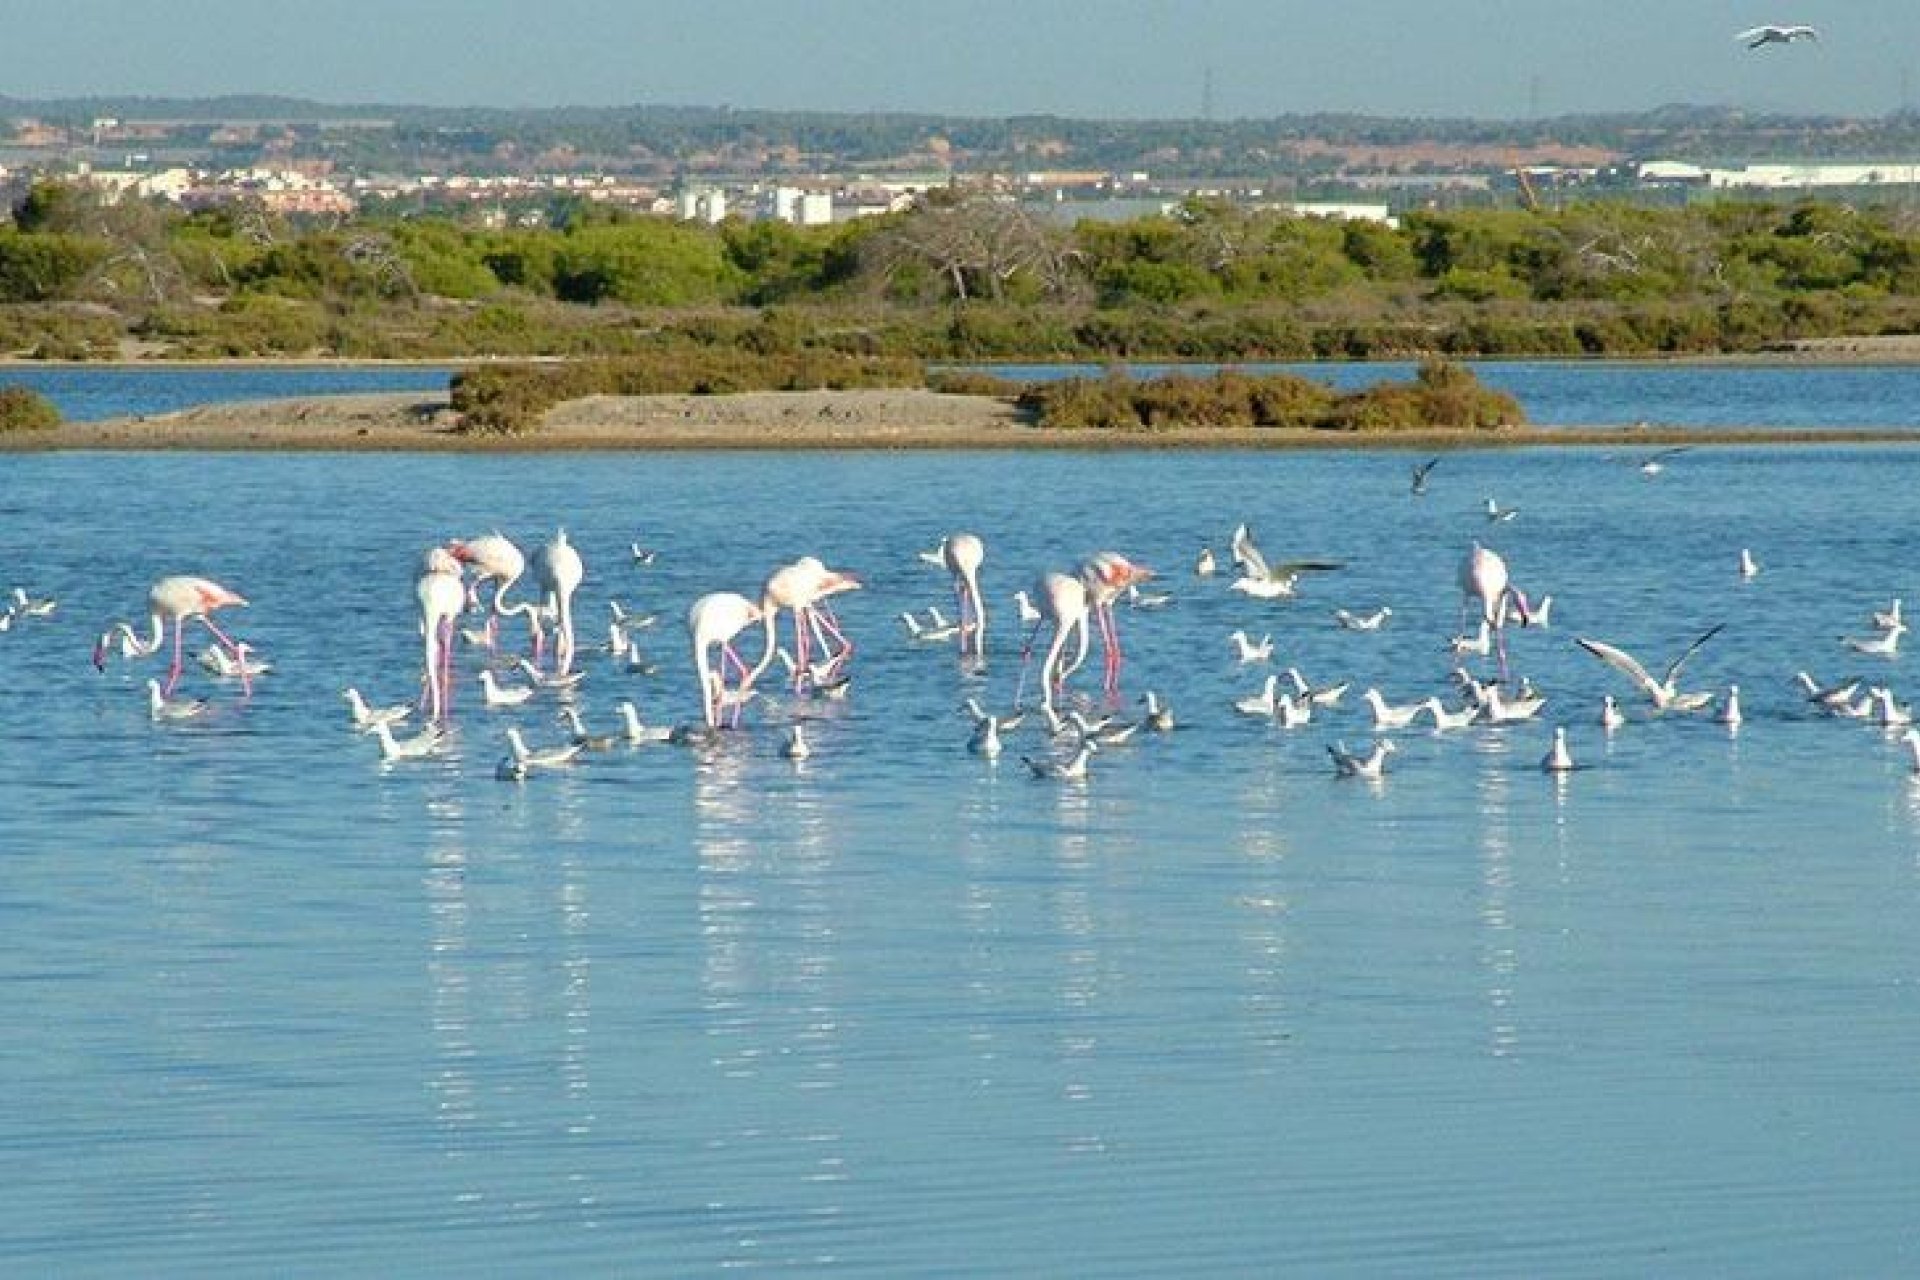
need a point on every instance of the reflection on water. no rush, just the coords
(1499, 948)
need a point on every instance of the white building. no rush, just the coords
(703, 204)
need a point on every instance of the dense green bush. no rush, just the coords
(22, 409)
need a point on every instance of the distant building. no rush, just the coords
(703, 204)
(1768, 176)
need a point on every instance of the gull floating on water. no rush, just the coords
(1558, 759)
(235, 665)
(540, 680)
(637, 732)
(1730, 714)
(546, 757)
(1203, 565)
(161, 707)
(1290, 713)
(1445, 720)
(577, 733)
(27, 606)
(1497, 514)
(986, 738)
(1611, 717)
(1889, 618)
(1500, 709)
(795, 746)
(365, 717)
(1259, 704)
(1372, 766)
(495, 694)
(1884, 645)
(1248, 651)
(1664, 693)
(1362, 622)
(419, 746)
(1478, 646)
(1159, 718)
(1325, 696)
(1029, 616)
(1913, 749)
(1749, 567)
(1654, 463)
(1886, 712)
(1071, 769)
(1829, 697)
(1386, 716)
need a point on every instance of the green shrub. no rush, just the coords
(22, 409)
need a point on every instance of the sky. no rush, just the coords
(1506, 59)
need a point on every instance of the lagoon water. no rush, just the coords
(277, 1007)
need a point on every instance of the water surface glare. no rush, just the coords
(899, 1011)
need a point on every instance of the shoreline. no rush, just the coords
(895, 420)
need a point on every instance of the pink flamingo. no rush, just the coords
(496, 559)
(558, 569)
(802, 587)
(963, 554)
(1483, 576)
(713, 622)
(1107, 575)
(176, 600)
(1063, 602)
(441, 595)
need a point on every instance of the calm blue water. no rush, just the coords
(1611, 393)
(88, 393)
(898, 1011)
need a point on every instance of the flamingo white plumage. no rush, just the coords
(713, 622)
(173, 601)
(558, 570)
(441, 595)
(963, 554)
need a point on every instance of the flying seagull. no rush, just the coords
(1754, 37)
(1665, 692)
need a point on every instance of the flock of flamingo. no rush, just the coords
(479, 575)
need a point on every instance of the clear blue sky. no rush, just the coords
(1128, 58)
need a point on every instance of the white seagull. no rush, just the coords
(1478, 646)
(1387, 716)
(1889, 618)
(1497, 514)
(27, 606)
(577, 732)
(1730, 714)
(1445, 720)
(1558, 759)
(1248, 651)
(795, 747)
(1327, 695)
(1259, 704)
(365, 717)
(1159, 717)
(1884, 645)
(1664, 693)
(1372, 766)
(232, 666)
(1886, 712)
(494, 694)
(1833, 697)
(1362, 622)
(1611, 717)
(1770, 33)
(638, 732)
(985, 741)
(417, 747)
(1029, 616)
(1749, 567)
(1072, 769)
(1291, 714)
(161, 707)
(1203, 565)
(527, 759)
(1265, 581)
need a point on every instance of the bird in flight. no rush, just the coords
(1754, 37)
(1421, 470)
(1665, 693)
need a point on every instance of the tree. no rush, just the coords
(979, 245)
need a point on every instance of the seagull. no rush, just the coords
(417, 747)
(1664, 692)
(1830, 697)
(631, 621)
(1159, 718)
(1363, 622)
(1654, 463)
(1611, 717)
(540, 680)
(527, 760)
(365, 717)
(494, 694)
(1730, 709)
(1913, 749)
(233, 666)
(1138, 599)
(1887, 713)
(161, 707)
(1325, 696)
(1754, 37)
(1388, 717)
(934, 630)
(1372, 766)
(1884, 645)
(1421, 470)
(1558, 759)
(577, 731)
(1497, 514)
(642, 556)
(936, 555)
(1259, 704)
(1248, 651)
(1499, 709)
(795, 747)
(1445, 720)
(1889, 618)
(1749, 567)
(1106, 732)
(1029, 616)
(1263, 581)
(986, 738)
(1291, 714)
(1072, 769)
(1479, 645)
(1533, 613)
(27, 606)
(637, 732)
(1203, 565)
(1006, 724)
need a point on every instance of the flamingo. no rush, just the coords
(963, 554)
(1107, 575)
(176, 600)
(801, 586)
(441, 595)
(497, 560)
(558, 569)
(1483, 577)
(713, 622)
(1064, 604)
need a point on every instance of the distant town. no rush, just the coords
(528, 168)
